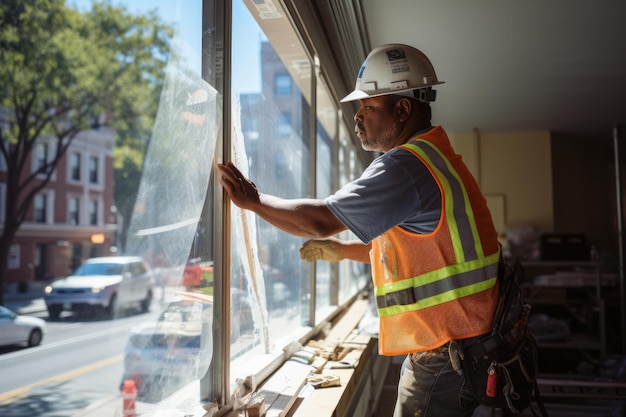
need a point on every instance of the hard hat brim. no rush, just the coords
(360, 94)
(355, 95)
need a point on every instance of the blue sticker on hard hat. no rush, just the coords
(361, 71)
(394, 54)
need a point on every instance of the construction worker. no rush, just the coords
(422, 222)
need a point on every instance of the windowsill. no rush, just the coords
(330, 401)
(285, 393)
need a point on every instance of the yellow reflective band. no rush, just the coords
(449, 200)
(438, 299)
(436, 275)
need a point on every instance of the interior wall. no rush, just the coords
(546, 182)
(584, 191)
(514, 170)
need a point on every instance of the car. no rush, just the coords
(162, 356)
(192, 274)
(108, 283)
(16, 329)
(198, 273)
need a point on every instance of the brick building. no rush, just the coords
(73, 217)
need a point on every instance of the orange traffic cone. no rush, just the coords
(129, 396)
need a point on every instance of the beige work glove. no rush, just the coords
(321, 250)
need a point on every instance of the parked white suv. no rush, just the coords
(109, 283)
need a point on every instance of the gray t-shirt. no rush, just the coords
(395, 189)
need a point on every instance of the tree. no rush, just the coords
(61, 70)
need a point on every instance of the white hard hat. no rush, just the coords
(395, 69)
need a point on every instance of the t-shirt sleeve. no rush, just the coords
(386, 195)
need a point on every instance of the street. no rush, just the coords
(78, 364)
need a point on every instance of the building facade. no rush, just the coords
(72, 217)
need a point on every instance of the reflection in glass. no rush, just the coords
(269, 283)
(353, 276)
(177, 348)
(325, 273)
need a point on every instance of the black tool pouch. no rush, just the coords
(501, 374)
(501, 367)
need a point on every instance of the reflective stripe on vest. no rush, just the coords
(472, 273)
(459, 212)
(437, 287)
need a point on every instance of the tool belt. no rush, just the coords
(501, 367)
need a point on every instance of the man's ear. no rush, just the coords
(404, 108)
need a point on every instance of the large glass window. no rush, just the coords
(152, 155)
(126, 109)
(326, 176)
(269, 282)
(352, 275)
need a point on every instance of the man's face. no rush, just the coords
(377, 123)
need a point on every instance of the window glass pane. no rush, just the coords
(269, 283)
(169, 226)
(152, 155)
(93, 212)
(3, 196)
(353, 276)
(75, 166)
(146, 125)
(42, 156)
(93, 169)
(282, 84)
(40, 208)
(74, 207)
(326, 140)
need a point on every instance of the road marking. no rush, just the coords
(53, 345)
(17, 394)
(71, 326)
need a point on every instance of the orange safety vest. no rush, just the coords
(441, 286)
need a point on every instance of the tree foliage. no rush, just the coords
(64, 71)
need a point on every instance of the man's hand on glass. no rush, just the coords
(240, 189)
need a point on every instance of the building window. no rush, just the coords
(41, 201)
(283, 125)
(282, 85)
(41, 158)
(3, 197)
(93, 212)
(93, 170)
(3, 163)
(75, 166)
(73, 211)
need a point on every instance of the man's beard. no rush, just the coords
(367, 143)
(380, 143)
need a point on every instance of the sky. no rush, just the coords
(186, 16)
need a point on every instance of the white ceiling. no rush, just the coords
(557, 65)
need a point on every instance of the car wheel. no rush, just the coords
(34, 339)
(145, 303)
(113, 308)
(54, 311)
